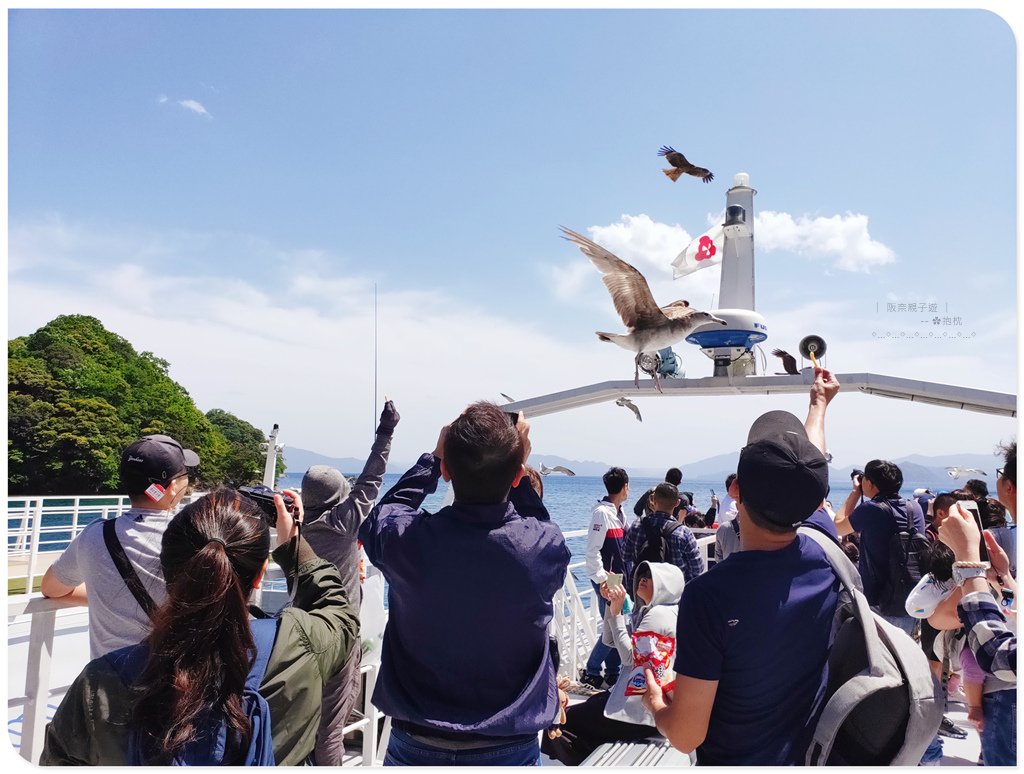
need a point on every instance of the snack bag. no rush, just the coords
(651, 651)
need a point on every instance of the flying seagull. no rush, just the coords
(681, 165)
(650, 327)
(627, 403)
(956, 472)
(788, 361)
(506, 397)
(545, 470)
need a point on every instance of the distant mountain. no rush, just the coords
(918, 470)
(589, 467)
(711, 469)
(300, 460)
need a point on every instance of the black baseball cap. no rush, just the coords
(782, 475)
(157, 459)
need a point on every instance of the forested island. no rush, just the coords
(78, 394)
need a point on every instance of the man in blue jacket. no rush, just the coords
(466, 674)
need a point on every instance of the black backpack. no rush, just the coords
(654, 542)
(904, 570)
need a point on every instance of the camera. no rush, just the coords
(263, 496)
(856, 472)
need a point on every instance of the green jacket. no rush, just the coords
(315, 636)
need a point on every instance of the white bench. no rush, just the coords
(650, 752)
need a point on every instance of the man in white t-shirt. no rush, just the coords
(728, 510)
(154, 475)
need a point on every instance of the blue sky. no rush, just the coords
(215, 185)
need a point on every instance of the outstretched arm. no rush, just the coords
(348, 514)
(400, 506)
(823, 390)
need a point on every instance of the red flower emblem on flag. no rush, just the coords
(705, 249)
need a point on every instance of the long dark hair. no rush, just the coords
(201, 647)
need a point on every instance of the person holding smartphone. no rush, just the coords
(979, 563)
(466, 673)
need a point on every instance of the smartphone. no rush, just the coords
(513, 417)
(614, 579)
(972, 507)
(713, 493)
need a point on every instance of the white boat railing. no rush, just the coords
(34, 540)
(575, 623)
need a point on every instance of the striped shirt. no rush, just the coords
(682, 547)
(993, 643)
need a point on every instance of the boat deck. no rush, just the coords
(71, 653)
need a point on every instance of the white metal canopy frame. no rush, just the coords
(951, 396)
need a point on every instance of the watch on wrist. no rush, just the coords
(963, 571)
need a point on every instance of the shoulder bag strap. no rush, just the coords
(264, 633)
(124, 567)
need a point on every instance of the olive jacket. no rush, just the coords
(313, 640)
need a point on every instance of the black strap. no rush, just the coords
(124, 567)
(669, 527)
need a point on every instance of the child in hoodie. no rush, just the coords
(618, 715)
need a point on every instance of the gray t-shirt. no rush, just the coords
(115, 618)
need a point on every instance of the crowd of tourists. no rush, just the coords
(734, 664)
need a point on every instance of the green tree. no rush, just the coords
(243, 462)
(77, 394)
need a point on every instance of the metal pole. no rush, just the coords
(370, 714)
(34, 548)
(270, 469)
(37, 683)
(374, 417)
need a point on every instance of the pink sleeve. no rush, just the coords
(972, 672)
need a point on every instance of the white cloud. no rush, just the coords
(161, 99)
(642, 242)
(567, 281)
(843, 239)
(194, 106)
(292, 343)
(650, 247)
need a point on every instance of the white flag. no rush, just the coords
(704, 251)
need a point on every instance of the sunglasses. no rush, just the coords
(999, 472)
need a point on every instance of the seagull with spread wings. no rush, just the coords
(957, 472)
(681, 165)
(650, 327)
(545, 470)
(627, 403)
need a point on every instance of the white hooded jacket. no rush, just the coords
(650, 641)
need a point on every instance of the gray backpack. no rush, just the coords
(883, 706)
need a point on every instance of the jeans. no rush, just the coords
(933, 755)
(603, 654)
(999, 739)
(904, 622)
(404, 750)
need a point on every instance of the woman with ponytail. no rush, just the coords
(179, 696)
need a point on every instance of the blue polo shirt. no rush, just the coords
(760, 625)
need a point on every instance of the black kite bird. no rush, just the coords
(681, 165)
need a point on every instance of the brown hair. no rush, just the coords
(201, 647)
(483, 452)
(536, 481)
